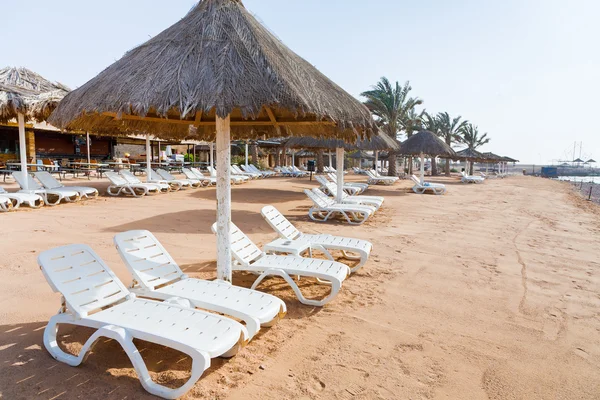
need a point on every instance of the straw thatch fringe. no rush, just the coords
(13, 101)
(428, 143)
(380, 141)
(218, 60)
(470, 155)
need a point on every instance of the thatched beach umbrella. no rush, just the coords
(426, 143)
(361, 155)
(215, 73)
(469, 156)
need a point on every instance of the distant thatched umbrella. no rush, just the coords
(25, 95)
(361, 155)
(492, 157)
(426, 143)
(509, 159)
(217, 69)
(469, 155)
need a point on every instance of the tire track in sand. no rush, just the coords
(523, 268)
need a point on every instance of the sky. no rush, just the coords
(526, 72)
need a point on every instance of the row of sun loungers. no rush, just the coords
(196, 317)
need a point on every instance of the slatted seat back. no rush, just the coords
(147, 260)
(80, 275)
(333, 189)
(322, 180)
(279, 223)
(129, 177)
(197, 172)
(333, 177)
(189, 174)
(116, 179)
(48, 180)
(165, 175)
(243, 249)
(212, 170)
(325, 200)
(32, 184)
(317, 201)
(415, 179)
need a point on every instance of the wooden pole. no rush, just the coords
(224, 199)
(339, 155)
(23, 150)
(422, 168)
(148, 158)
(87, 142)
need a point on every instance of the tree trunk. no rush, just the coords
(392, 170)
(254, 154)
(433, 166)
(471, 168)
(320, 164)
(410, 165)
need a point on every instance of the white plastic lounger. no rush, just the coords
(152, 187)
(32, 200)
(93, 296)
(352, 249)
(50, 183)
(189, 174)
(236, 170)
(193, 183)
(155, 178)
(7, 204)
(373, 201)
(157, 276)
(471, 179)
(119, 186)
(435, 188)
(235, 179)
(351, 190)
(324, 208)
(209, 180)
(362, 187)
(376, 180)
(248, 257)
(70, 196)
(267, 173)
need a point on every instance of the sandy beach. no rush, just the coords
(488, 292)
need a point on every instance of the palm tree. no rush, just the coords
(470, 137)
(390, 106)
(450, 130)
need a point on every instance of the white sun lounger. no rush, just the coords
(248, 257)
(252, 175)
(152, 187)
(189, 174)
(157, 276)
(324, 208)
(50, 183)
(435, 188)
(350, 187)
(185, 183)
(120, 186)
(7, 204)
(235, 179)
(70, 196)
(32, 200)
(470, 178)
(155, 178)
(352, 249)
(93, 296)
(376, 180)
(373, 201)
(266, 173)
(209, 180)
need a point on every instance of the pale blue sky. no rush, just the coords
(525, 71)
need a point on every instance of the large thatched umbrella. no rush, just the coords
(470, 156)
(215, 73)
(426, 143)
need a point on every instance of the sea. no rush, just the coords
(578, 179)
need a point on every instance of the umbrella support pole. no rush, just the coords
(148, 159)
(224, 199)
(339, 155)
(422, 169)
(23, 149)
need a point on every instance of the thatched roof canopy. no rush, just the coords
(426, 142)
(361, 155)
(470, 155)
(217, 60)
(578, 160)
(37, 97)
(492, 157)
(509, 159)
(591, 161)
(378, 142)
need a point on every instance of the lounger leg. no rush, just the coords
(200, 360)
(49, 203)
(336, 284)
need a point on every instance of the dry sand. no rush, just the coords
(489, 292)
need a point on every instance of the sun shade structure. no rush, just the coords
(469, 155)
(361, 155)
(215, 73)
(426, 143)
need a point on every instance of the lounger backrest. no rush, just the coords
(415, 179)
(316, 199)
(32, 184)
(324, 198)
(129, 177)
(189, 174)
(165, 175)
(146, 259)
(243, 249)
(322, 180)
(333, 189)
(116, 179)
(80, 275)
(47, 180)
(213, 171)
(279, 223)
(333, 177)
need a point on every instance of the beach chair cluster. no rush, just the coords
(42, 190)
(425, 187)
(203, 319)
(471, 178)
(293, 172)
(375, 178)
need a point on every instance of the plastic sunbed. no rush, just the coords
(164, 174)
(120, 186)
(157, 276)
(386, 180)
(152, 187)
(93, 296)
(32, 200)
(324, 208)
(373, 201)
(435, 188)
(248, 257)
(70, 196)
(470, 178)
(49, 182)
(7, 204)
(209, 180)
(350, 187)
(352, 249)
